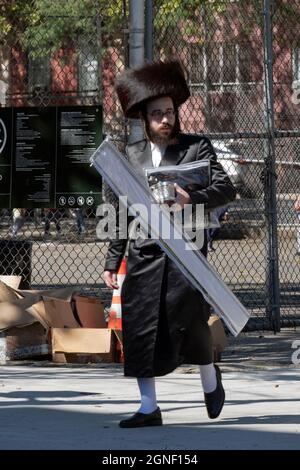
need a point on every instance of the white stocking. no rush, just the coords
(208, 377)
(148, 394)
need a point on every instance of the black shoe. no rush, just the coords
(214, 401)
(139, 420)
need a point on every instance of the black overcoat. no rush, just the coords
(164, 319)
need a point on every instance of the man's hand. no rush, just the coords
(110, 279)
(182, 197)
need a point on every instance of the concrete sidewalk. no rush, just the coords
(78, 408)
(49, 406)
(262, 350)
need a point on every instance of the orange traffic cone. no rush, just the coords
(115, 312)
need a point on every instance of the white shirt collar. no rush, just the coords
(157, 154)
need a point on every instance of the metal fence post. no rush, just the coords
(136, 53)
(270, 174)
(149, 30)
(99, 52)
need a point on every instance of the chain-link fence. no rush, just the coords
(68, 54)
(227, 49)
(57, 55)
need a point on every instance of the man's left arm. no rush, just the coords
(221, 190)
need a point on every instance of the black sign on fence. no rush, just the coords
(44, 156)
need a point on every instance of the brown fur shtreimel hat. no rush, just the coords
(137, 85)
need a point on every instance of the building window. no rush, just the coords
(197, 64)
(219, 65)
(296, 64)
(39, 74)
(88, 72)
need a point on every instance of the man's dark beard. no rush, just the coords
(159, 139)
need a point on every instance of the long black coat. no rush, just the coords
(164, 318)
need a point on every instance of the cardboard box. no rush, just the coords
(23, 342)
(53, 308)
(22, 336)
(219, 337)
(26, 317)
(50, 308)
(11, 281)
(12, 311)
(7, 294)
(58, 310)
(58, 313)
(82, 345)
(89, 312)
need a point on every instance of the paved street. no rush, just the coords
(79, 408)
(45, 406)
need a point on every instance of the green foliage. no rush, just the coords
(46, 25)
(168, 11)
(186, 16)
(15, 16)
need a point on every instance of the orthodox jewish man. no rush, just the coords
(164, 318)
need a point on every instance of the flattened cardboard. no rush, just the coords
(21, 311)
(52, 308)
(12, 315)
(11, 281)
(23, 342)
(58, 313)
(13, 310)
(64, 293)
(7, 294)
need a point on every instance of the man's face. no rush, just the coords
(161, 118)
